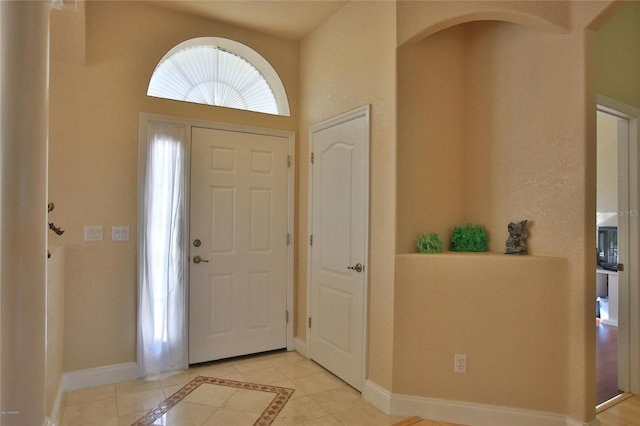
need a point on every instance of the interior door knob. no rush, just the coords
(358, 267)
(198, 259)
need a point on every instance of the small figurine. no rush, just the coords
(430, 243)
(516, 243)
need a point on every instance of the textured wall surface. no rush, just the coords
(346, 63)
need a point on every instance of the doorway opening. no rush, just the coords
(617, 249)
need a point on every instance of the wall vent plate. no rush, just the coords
(93, 233)
(120, 233)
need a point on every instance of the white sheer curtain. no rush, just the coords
(161, 252)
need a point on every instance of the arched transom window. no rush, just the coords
(221, 72)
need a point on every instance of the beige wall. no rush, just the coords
(506, 313)
(607, 170)
(95, 104)
(346, 63)
(55, 324)
(525, 146)
(618, 56)
(24, 109)
(432, 164)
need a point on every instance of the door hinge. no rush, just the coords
(288, 161)
(312, 158)
(288, 239)
(309, 322)
(287, 316)
(310, 240)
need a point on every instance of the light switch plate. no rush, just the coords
(120, 233)
(93, 233)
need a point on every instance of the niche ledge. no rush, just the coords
(484, 254)
(485, 269)
(482, 261)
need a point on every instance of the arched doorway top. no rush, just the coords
(418, 20)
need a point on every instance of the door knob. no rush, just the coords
(198, 259)
(358, 267)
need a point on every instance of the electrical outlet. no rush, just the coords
(460, 363)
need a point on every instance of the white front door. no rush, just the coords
(238, 244)
(339, 244)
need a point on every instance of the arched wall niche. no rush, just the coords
(495, 125)
(490, 81)
(418, 20)
(466, 135)
(476, 135)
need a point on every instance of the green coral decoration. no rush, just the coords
(430, 243)
(468, 238)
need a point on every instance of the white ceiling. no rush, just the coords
(290, 19)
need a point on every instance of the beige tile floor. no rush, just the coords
(320, 399)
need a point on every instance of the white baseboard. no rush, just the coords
(56, 409)
(300, 347)
(461, 412)
(99, 376)
(594, 422)
(471, 414)
(378, 396)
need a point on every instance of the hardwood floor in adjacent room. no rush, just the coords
(624, 413)
(606, 362)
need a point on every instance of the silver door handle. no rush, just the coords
(198, 259)
(358, 267)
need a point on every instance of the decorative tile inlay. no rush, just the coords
(269, 414)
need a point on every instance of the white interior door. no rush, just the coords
(339, 245)
(238, 244)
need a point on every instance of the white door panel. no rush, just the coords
(339, 229)
(239, 212)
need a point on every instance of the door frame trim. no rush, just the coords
(144, 118)
(629, 313)
(363, 111)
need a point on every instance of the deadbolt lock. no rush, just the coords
(197, 243)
